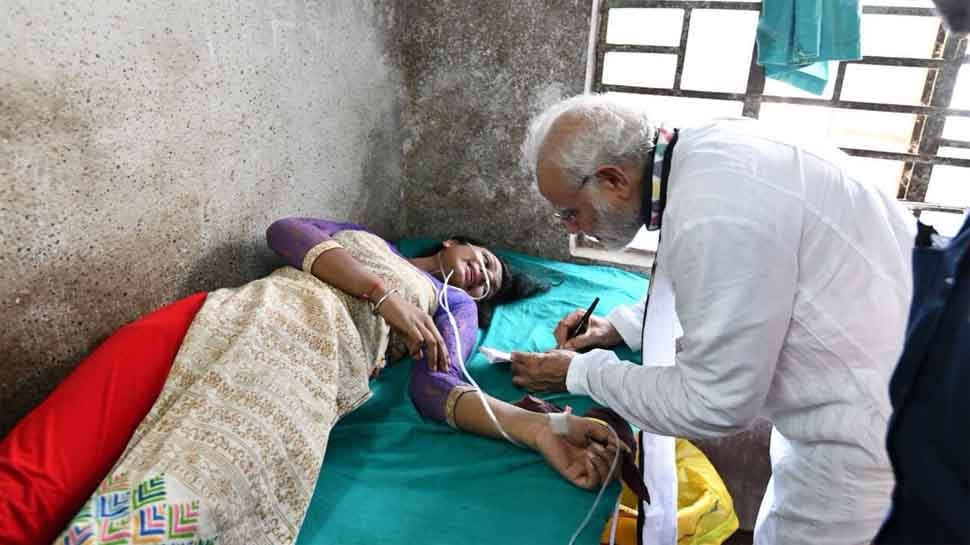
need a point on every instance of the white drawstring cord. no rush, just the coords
(589, 514)
(616, 517)
(488, 283)
(443, 303)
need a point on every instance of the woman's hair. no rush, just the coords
(515, 284)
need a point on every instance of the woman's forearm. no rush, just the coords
(341, 270)
(520, 424)
(293, 238)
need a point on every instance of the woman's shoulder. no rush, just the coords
(335, 225)
(458, 297)
(297, 224)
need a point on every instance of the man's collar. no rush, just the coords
(656, 171)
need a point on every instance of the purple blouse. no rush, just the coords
(292, 238)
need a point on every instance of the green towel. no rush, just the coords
(392, 478)
(797, 38)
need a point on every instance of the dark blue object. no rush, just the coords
(929, 432)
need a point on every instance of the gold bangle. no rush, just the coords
(380, 301)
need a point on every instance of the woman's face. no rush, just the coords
(476, 269)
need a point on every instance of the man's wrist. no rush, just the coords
(626, 325)
(576, 374)
(614, 337)
(565, 375)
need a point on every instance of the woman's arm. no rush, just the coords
(584, 456)
(306, 244)
(447, 397)
(432, 389)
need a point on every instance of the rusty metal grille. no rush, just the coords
(942, 66)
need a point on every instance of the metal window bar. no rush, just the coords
(933, 207)
(910, 171)
(942, 93)
(950, 143)
(874, 60)
(682, 50)
(755, 89)
(942, 70)
(839, 83)
(842, 104)
(751, 6)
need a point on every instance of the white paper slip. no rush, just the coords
(495, 356)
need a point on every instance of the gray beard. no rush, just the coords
(615, 228)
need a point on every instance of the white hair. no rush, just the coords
(615, 131)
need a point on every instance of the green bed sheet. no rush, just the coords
(391, 477)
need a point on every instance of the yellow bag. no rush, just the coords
(705, 511)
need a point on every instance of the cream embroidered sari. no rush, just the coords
(231, 450)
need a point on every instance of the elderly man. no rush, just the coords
(789, 278)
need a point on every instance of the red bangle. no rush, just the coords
(377, 285)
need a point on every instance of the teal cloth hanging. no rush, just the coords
(797, 38)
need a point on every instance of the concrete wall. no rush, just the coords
(145, 146)
(476, 72)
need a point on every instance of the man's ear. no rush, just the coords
(449, 243)
(615, 182)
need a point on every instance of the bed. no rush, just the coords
(392, 478)
(389, 476)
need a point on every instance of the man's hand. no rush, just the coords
(541, 372)
(600, 332)
(583, 456)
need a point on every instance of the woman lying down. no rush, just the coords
(235, 441)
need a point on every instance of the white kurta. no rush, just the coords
(792, 282)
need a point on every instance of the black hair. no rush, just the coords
(515, 284)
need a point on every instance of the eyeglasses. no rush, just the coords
(568, 215)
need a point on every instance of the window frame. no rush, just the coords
(943, 68)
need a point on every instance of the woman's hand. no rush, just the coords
(599, 332)
(584, 455)
(418, 330)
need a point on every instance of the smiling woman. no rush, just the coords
(474, 268)
(470, 259)
(237, 436)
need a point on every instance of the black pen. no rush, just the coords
(584, 322)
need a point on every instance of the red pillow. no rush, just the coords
(53, 460)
